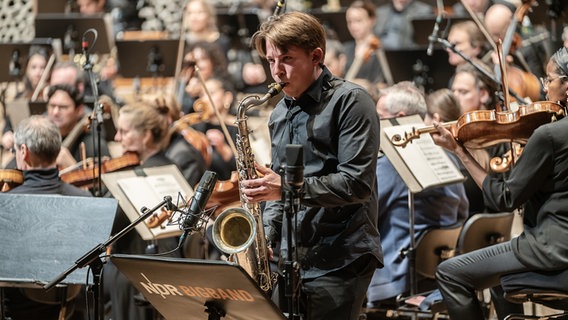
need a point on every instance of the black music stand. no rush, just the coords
(197, 289)
(71, 27)
(147, 58)
(54, 6)
(423, 28)
(334, 20)
(43, 234)
(13, 58)
(239, 26)
(431, 72)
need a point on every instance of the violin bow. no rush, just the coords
(504, 82)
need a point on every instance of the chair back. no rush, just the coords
(485, 229)
(433, 247)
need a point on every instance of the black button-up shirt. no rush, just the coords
(336, 123)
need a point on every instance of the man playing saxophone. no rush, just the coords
(337, 243)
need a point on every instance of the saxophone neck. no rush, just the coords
(251, 101)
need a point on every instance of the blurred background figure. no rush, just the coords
(394, 26)
(362, 59)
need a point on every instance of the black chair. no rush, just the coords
(546, 288)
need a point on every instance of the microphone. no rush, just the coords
(294, 176)
(198, 202)
(434, 36)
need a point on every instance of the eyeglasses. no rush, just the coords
(546, 81)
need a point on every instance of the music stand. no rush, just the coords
(71, 27)
(147, 58)
(43, 234)
(334, 20)
(431, 72)
(238, 26)
(15, 56)
(199, 289)
(423, 27)
(53, 6)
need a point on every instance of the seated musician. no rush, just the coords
(538, 183)
(36, 145)
(187, 158)
(142, 129)
(223, 160)
(436, 207)
(65, 108)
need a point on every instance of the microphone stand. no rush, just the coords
(94, 261)
(291, 267)
(446, 44)
(97, 116)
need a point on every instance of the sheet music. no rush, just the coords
(149, 191)
(429, 163)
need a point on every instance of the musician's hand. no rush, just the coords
(266, 188)
(217, 140)
(7, 140)
(65, 158)
(444, 138)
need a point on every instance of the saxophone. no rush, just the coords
(240, 231)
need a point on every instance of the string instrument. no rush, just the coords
(80, 127)
(157, 219)
(225, 195)
(88, 175)
(10, 178)
(524, 83)
(373, 45)
(485, 128)
(197, 139)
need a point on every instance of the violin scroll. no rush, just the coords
(157, 220)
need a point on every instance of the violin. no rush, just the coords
(485, 128)
(156, 220)
(373, 45)
(88, 175)
(10, 178)
(225, 194)
(197, 139)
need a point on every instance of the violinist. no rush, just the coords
(223, 159)
(65, 108)
(466, 38)
(142, 129)
(188, 159)
(36, 145)
(38, 58)
(361, 53)
(538, 182)
(530, 57)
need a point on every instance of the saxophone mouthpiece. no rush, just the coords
(275, 88)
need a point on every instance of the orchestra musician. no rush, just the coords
(222, 95)
(433, 208)
(65, 108)
(338, 246)
(142, 129)
(362, 59)
(36, 144)
(38, 58)
(537, 182)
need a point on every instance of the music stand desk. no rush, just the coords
(43, 234)
(403, 63)
(136, 56)
(59, 25)
(184, 288)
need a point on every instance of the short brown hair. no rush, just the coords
(292, 28)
